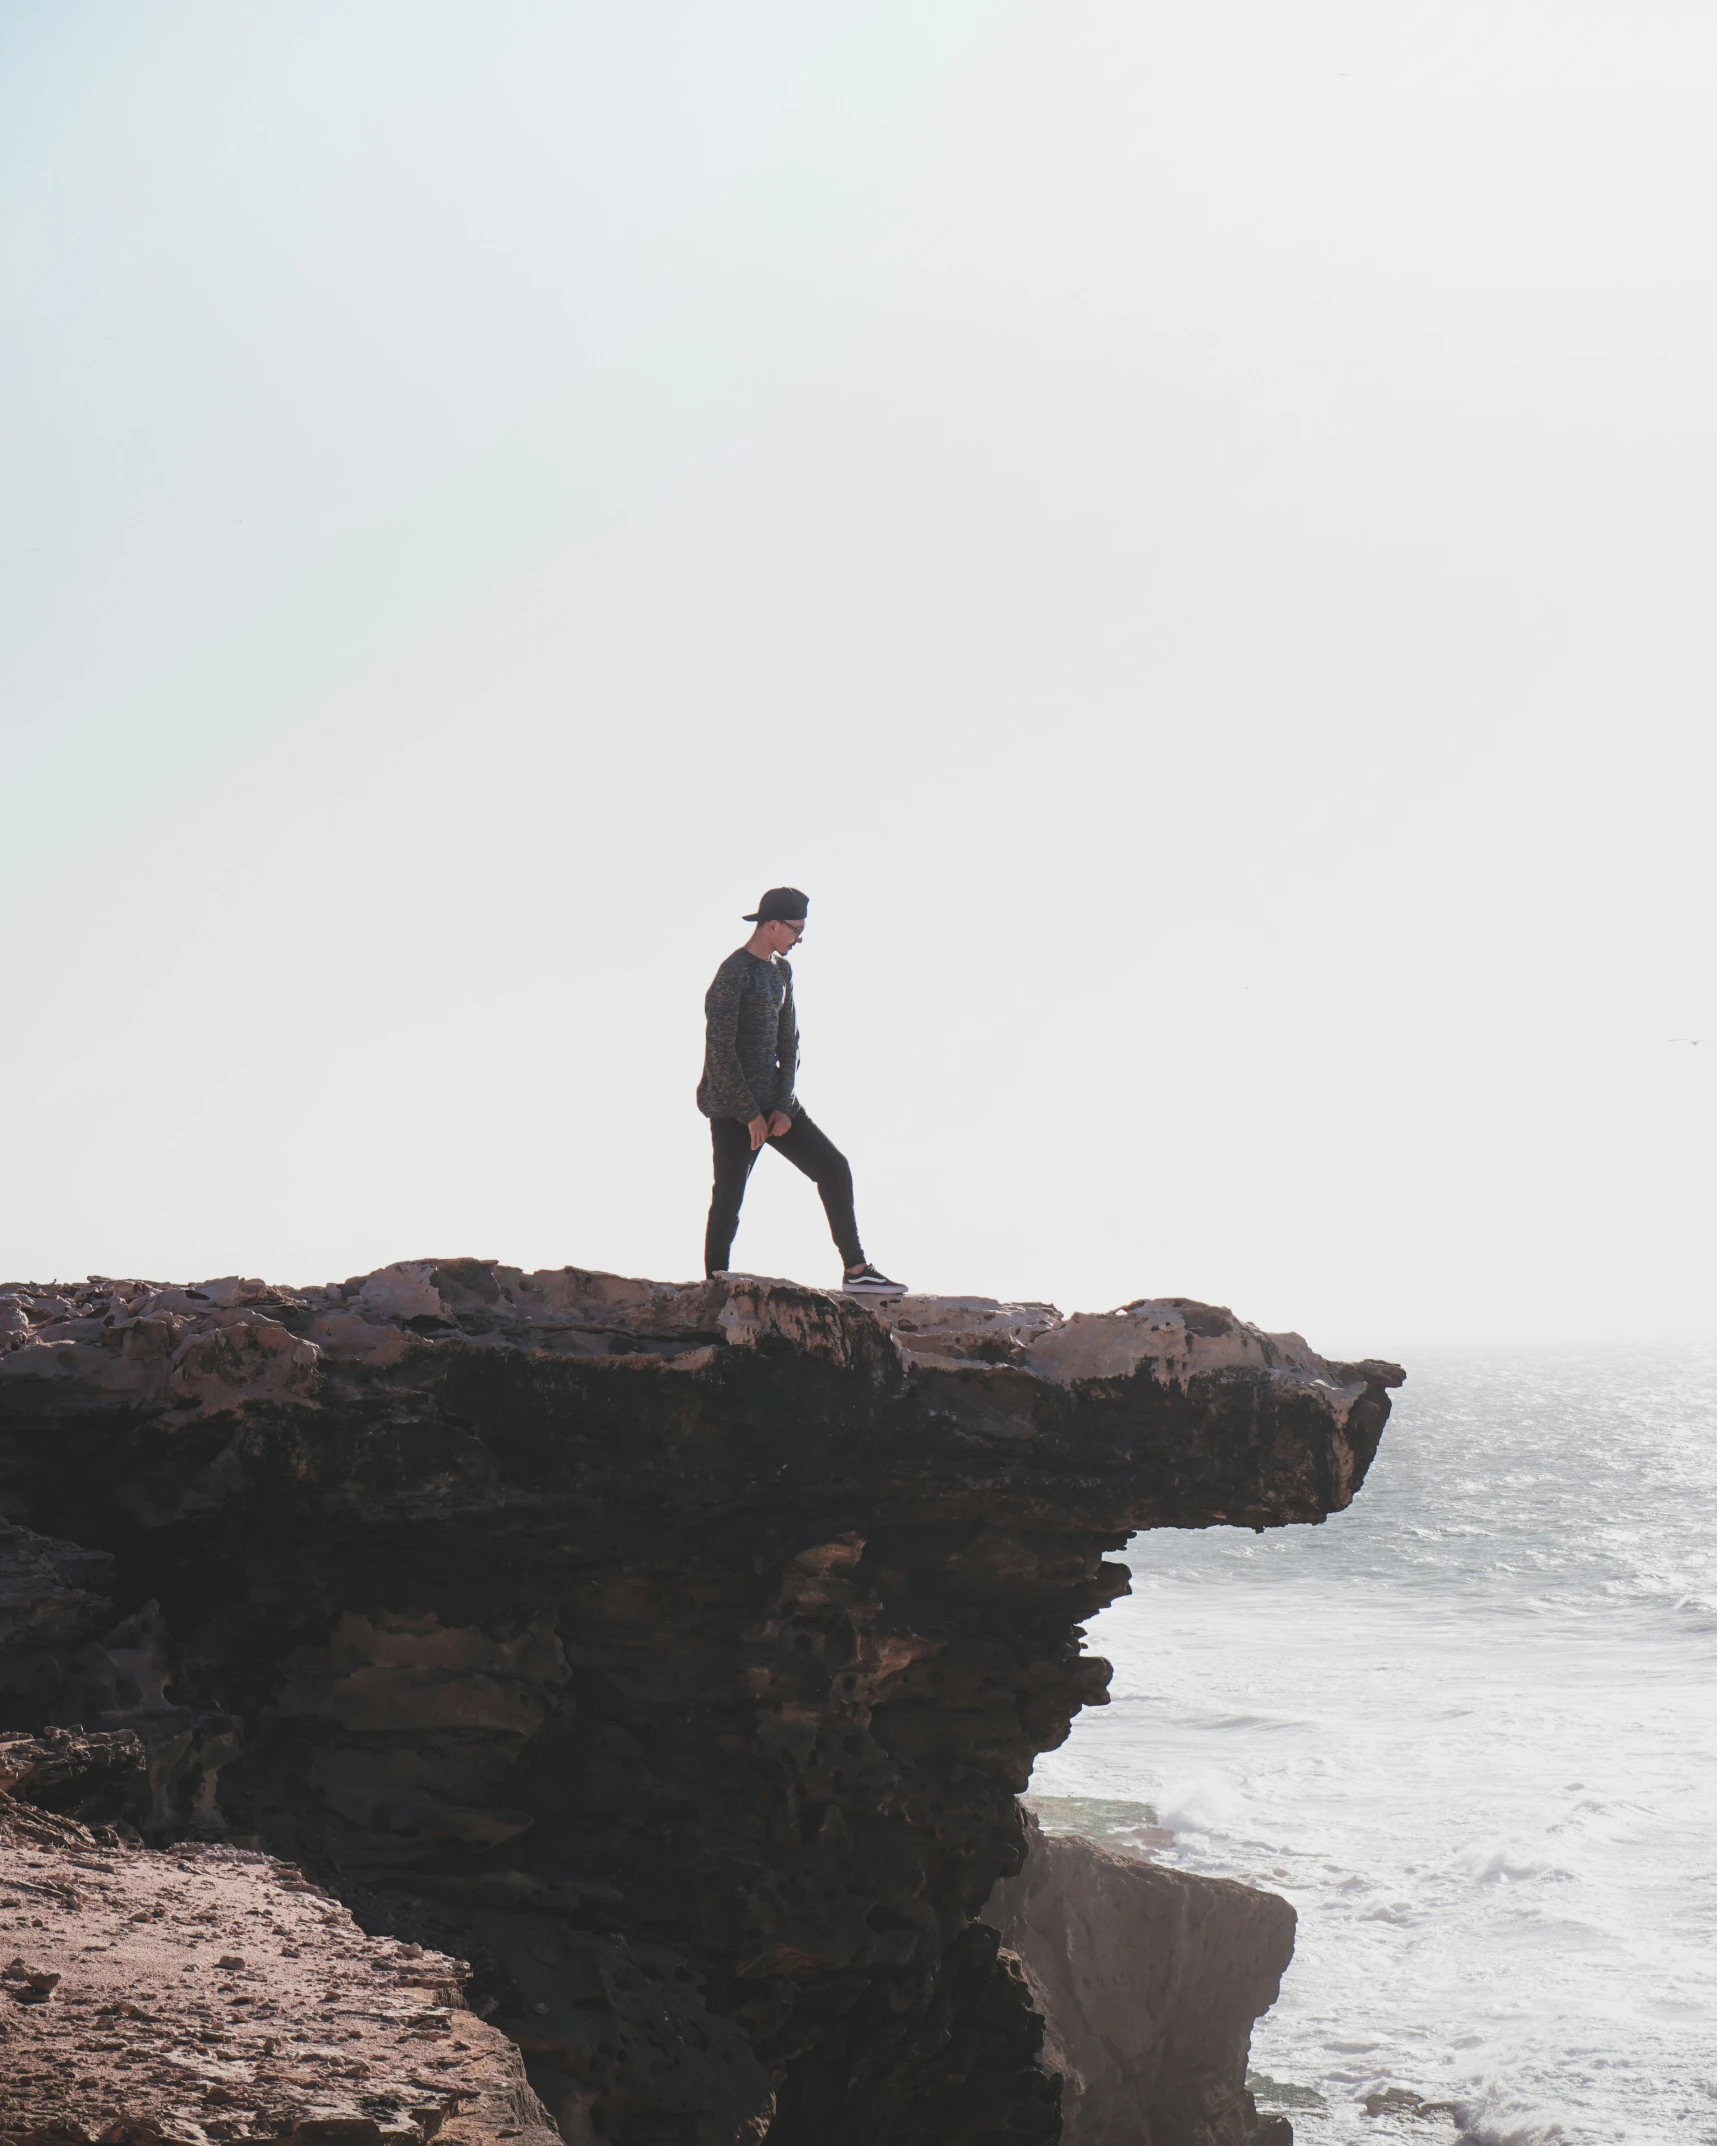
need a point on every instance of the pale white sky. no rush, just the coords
(1189, 530)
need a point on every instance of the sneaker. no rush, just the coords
(867, 1282)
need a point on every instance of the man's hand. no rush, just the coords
(779, 1123)
(759, 1131)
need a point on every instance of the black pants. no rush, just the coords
(807, 1149)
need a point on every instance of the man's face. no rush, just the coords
(787, 934)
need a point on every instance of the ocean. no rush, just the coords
(1469, 1729)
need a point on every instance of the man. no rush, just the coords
(751, 1053)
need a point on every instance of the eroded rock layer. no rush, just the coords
(673, 1654)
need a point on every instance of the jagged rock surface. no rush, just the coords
(674, 1654)
(1149, 1980)
(212, 1994)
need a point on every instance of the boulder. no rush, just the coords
(1149, 1980)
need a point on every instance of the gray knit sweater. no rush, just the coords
(751, 1040)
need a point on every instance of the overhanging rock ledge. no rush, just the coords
(674, 1654)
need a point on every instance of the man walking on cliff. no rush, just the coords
(751, 1053)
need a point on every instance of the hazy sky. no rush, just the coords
(1190, 531)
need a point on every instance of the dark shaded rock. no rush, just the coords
(54, 1597)
(1149, 1980)
(1399, 2101)
(63, 1769)
(673, 1654)
(56, 1672)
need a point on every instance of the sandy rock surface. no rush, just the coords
(217, 1344)
(214, 1994)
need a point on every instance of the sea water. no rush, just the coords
(1469, 1729)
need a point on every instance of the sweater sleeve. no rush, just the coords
(724, 1078)
(787, 1049)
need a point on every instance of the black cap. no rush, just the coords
(781, 905)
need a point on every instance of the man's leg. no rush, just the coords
(810, 1149)
(734, 1156)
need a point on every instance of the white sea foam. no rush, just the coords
(1497, 2120)
(1468, 1729)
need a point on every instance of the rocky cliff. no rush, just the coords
(672, 1655)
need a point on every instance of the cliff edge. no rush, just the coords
(673, 1655)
